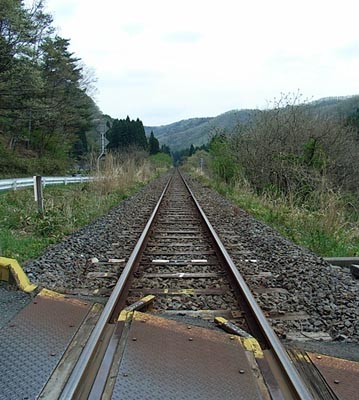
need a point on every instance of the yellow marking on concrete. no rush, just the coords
(97, 307)
(220, 320)
(50, 293)
(165, 291)
(13, 267)
(186, 291)
(147, 299)
(142, 303)
(127, 313)
(4, 273)
(301, 356)
(125, 316)
(253, 346)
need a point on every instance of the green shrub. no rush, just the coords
(161, 160)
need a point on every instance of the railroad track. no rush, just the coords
(180, 260)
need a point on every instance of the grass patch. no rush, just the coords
(161, 161)
(24, 234)
(327, 227)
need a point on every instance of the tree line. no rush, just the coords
(44, 88)
(125, 134)
(180, 156)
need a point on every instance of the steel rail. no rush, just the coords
(76, 378)
(296, 383)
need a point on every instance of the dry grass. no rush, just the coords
(117, 172)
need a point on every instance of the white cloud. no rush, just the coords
(165, 60)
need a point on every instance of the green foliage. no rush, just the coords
(24, 233)
(165, 149)
(44, 105)
(197, 162)
(353, 121)
(180, 156)
(314, 154)
(13, 164)
(315, 230)
(295, 170)
(161, 160)
(153, 144)
(126, 133)
(222, 161)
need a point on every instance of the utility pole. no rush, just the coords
(103, 150)
(102, 130)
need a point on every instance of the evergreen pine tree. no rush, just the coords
(153, 144)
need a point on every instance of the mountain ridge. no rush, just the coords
(181, 134)
(197, 131)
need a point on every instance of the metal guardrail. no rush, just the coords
(16, 183)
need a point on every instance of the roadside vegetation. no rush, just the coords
(294, 169)
(24, 233)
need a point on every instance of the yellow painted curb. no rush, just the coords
(252, 345)
(11, 268)
(50, 293)
(125, 316)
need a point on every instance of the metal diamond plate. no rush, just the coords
(33, 343)
(163, 359)
(341, 375)
(11, 302)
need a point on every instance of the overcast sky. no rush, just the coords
(166, 60)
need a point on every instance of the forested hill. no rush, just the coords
(197, 131)
(45, 103)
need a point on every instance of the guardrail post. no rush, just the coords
(38, 193)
